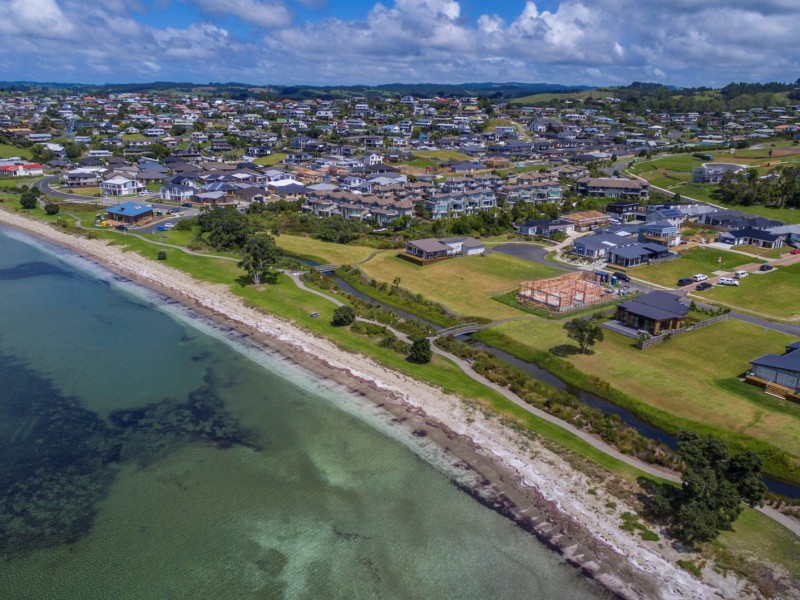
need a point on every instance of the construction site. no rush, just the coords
(564, 293)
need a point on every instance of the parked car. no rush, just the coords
(728, 281)
(765, 268)
(121, 227)
(621, 276)
(169, 225)
(187, 205)
(796, 251)
(740, 274)
(684, 281)
(702, 287)
(699, 277)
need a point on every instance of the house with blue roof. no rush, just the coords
(129, 213)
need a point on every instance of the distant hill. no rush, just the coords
(494, 91)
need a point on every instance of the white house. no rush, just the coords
(23, 170)
(120, 186)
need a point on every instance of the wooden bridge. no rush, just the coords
(326, 268)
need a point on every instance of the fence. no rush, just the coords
(658, 339)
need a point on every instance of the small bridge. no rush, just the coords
(473, 327)
(326, 268)
(462, 329)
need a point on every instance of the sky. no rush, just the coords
(329, 42)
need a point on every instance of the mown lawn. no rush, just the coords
(272, 159)
(464, 285)
(696, 260)
(775, 293)
(324, 252)
(691, 377)
(442, 155)
(7, 151)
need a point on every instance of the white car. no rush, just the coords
(169, 225)
(728, 281)
(699, 277)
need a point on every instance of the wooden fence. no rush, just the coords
(658, 339)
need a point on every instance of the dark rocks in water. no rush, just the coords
(32, 269)
(59, 458)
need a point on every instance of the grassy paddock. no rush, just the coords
(337, 254)
(773, 293)
(669, 387)
(465, 285)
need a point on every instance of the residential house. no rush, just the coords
(174, 192)
(22, 170)
(752, 237)
(546, 227)
(129, 213)
(607, 187)
(587, 220)
(779, 375)
(632, 255)
(656, 313)
(120, 186)
(431, 248)
(660, 232)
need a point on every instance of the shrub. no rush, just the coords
(343, 316)
(162, 255)
(51, 208)
(421, 351)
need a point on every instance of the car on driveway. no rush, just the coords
(702, 287)
(728, 281)
(684, 281)
(765, 268)
(621, 276)
(699, 277)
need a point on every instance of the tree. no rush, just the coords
(584, 332)
(227, 228)
(51, 208)
(162, 254)
(714, 485)
(343, 316)
(28, 200)
(421, 351)
(259, 255)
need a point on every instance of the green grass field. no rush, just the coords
(464, 285)
(7, 151)
(442, 155)
(323, 252)
(775, 293)
(692, 377)
(696, 260)
(550, 97)
(272, 159)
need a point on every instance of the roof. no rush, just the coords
(130, 209)
(750, 232)
(657, 306)
(786, 362)
(430, 245)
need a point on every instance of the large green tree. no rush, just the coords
(259, 255)
(421, 351)
(227, 228)
(585, 332)
(715, 486)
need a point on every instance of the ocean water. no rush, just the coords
(148, 453)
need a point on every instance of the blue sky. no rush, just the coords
(594, 42)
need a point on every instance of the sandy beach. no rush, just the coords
(563, 505)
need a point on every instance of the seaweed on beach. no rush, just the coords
(60, 459)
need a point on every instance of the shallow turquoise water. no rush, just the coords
(147, 454)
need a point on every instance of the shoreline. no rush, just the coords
(519, 477)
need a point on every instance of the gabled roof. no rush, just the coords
(786, 362)
(130, 209)
(657, 306)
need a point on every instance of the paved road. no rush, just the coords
(44, 186)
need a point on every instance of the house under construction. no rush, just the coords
(564, 293)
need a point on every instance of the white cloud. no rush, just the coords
(690, 42)
(258, 12)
